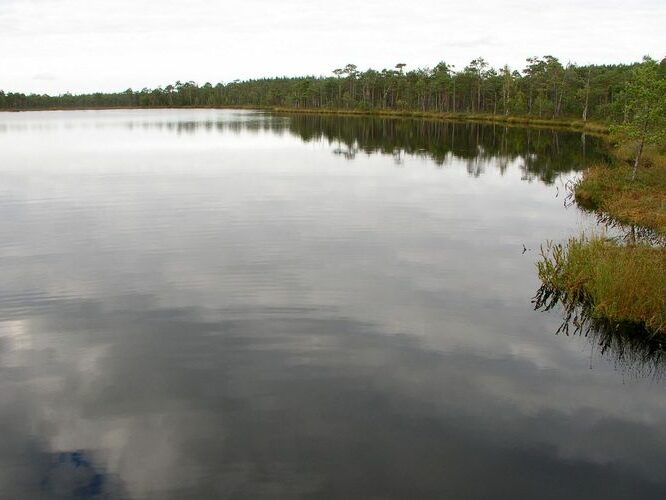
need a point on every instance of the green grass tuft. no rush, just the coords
(610, 189)
(624, 284)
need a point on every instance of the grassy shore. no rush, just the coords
(618, 282)
(609, 189)
(624, 284)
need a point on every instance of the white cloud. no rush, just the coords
(112, 45)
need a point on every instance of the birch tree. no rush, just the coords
(644, 102)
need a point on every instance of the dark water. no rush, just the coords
(220, 304)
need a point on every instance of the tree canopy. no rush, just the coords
(544, 87)
(643, 105)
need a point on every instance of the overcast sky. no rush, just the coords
(56, 46)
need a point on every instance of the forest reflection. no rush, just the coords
(542, 154)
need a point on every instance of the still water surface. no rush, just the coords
(206, 304)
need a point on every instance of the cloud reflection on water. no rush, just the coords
(249, 314)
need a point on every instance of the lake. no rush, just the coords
(235, 304)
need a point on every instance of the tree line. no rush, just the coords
(545, 88)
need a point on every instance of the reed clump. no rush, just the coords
(600, 278)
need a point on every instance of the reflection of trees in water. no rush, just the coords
(544, 154)
(632, 347)
(253, 123)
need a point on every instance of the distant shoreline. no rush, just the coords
(106, 108)
(511, 120)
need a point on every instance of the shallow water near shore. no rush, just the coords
(220, 303)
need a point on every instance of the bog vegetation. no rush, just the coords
(598, 278)
(544, 88)
(613, 190)
(604, 279)
(633, 190)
